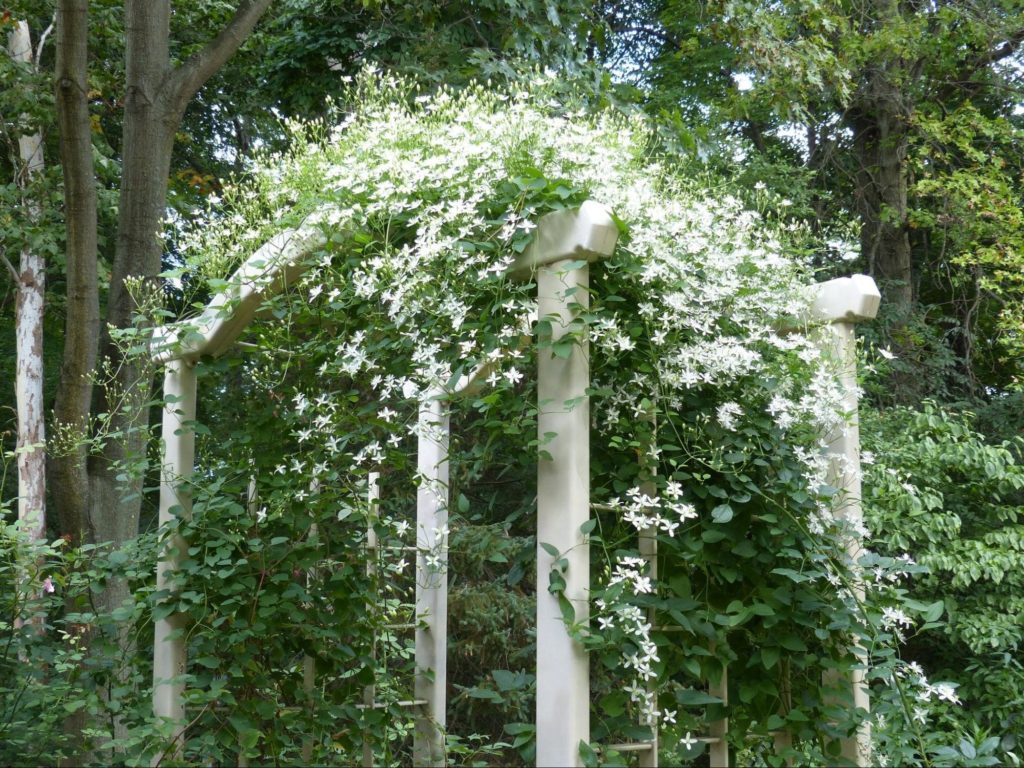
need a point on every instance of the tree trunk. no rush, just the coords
(69, 481)
(91, 503)
(156, 97)
(880, 121)
(28, 323)
(881, 151)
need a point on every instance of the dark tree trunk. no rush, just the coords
(92, 503)
(880, 121)
(68, 480)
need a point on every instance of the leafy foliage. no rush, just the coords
(951, 498)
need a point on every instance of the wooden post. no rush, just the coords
(718, 749)
(565, 243)
(840, 304)
(431, 582)
(373, 552)
(563, 506)
(179, 440)
(649, 551)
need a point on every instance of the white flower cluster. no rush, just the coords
(645, 512)
(641, 653)
(923, 692)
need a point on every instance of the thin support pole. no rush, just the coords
(649, 551)
(179, 447)
(431, 582)
(719, 729)
(372, 549)
(843, 449)
(308, 662)
(783, 739)
(563, 506)
(252, 505)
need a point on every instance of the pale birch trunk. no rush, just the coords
(28, 322)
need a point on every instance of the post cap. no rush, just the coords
(845, 299)
(587, 233)
(270, 270)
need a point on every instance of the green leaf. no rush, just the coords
(793, 643)
(551, 549)
(722, 513)
(589, 526)
(514, 729)
(486, 694)
(934, 611)
(506, 680)
(691, 698)
(566, 607)
(588, 755)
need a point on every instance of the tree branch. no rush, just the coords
(10, 267)
(42, 40)
(1001, 52)
(187, 79)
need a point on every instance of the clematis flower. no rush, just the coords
(48, 585)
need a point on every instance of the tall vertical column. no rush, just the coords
(648, 546)
(718, 750)
(179, 448)
(431, 582)
(840, 304)
(563, 506)
(372, 607)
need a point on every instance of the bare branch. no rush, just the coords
(193, 74)
(42, 40)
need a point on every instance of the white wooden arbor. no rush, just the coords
(565, 243)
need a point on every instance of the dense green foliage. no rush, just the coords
(940, 491)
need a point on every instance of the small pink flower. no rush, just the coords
(48, 585)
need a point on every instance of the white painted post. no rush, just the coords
(563, 506)
(308, 662)
(718, 749)
(271, 269)
(840, 304)
(431, 582)
(649, 552)
(564, 244)
(373, 549)
(169, 654)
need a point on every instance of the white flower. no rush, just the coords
(946, 692)
(513, 375)
(688, 741)
(728, 413)
(669, 716)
